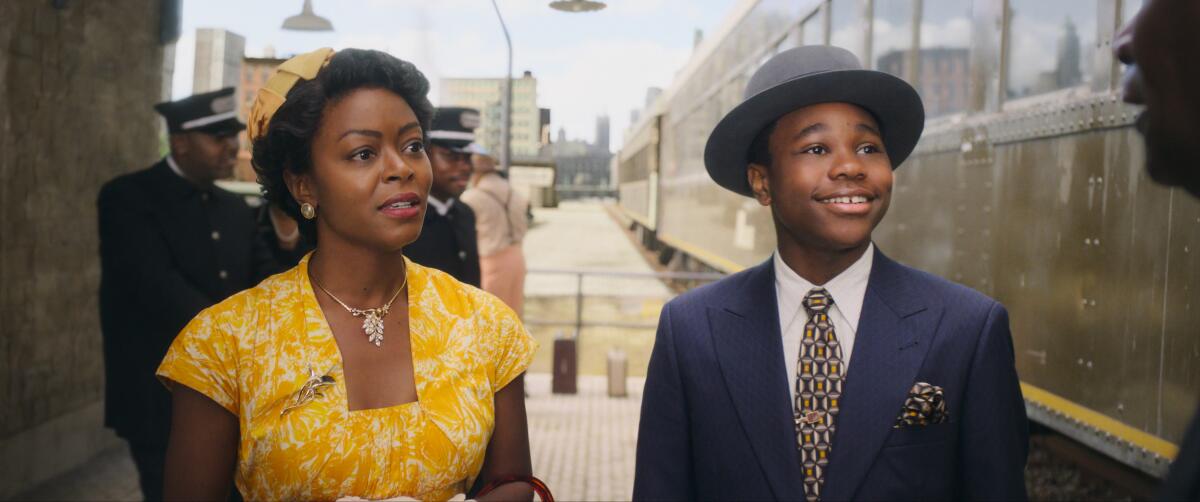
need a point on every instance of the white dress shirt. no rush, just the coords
(847, 290)
(441, 207)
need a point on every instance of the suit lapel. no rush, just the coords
(749, 349)
(893, 336)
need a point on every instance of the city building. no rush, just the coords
(584, 169)
(253, 75)
(486, 95)
(942, 77)
(218, 59)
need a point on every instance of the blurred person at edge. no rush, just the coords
(500, 225)
(171, 244)
(356, 373)
(282, 234)
(1159, 46)
(447, 241)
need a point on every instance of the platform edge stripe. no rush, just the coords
(1100, 421)
(712, 259)
(636, 217)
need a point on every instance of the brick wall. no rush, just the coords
(76, 89)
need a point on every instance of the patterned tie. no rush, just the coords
(818, 389)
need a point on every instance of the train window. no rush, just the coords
(943, 61)
(846, 26)
(813, 29)
(892, 37)
(1128, 9)
(1051, 45)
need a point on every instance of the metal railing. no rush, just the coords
(571, 192)
(579, 323)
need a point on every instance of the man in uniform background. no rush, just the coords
(447, 240)
(171, 244)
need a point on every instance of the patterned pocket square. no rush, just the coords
(925, 406)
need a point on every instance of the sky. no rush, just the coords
(587, 64)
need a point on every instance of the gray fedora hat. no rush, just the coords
(804, 76)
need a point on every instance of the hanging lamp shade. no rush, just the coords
(577, 5)
(306, 20)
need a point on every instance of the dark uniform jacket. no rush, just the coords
(167, 250)
(448, 243)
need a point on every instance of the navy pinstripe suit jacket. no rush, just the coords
(717, 422)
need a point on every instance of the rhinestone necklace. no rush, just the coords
(372, 318)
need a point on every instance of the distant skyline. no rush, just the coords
(586, 64)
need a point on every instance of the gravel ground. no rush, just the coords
(1048, 477)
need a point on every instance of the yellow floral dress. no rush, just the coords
(253, 352)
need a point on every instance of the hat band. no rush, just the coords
(272, 95)
(452, 135)
(203, 121)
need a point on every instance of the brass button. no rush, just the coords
(216, 236)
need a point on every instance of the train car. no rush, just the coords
(1028, 185)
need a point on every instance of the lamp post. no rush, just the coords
(506, 98)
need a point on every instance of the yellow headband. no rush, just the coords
(272, 95)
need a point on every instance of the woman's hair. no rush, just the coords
(287, 144)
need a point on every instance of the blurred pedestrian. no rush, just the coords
(500, 226)
(829, 371)
(171, 244)
(282, 234)
(1157, 46)
(448, 242)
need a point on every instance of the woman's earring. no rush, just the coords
(308, 211)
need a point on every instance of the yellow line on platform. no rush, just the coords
(712, 259)
(1100, 421)
(637, 217)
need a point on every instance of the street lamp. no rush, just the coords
(306, 20)
(506, 107)
(506, 111)
(576, 5)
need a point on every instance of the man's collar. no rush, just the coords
(849, 286)
(441, 207)
(175, 167)
(179, 172)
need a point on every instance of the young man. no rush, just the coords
(1158, 46)
(448, 242)
(828, 371)
(171, 244)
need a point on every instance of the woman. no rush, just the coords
(357, 373)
